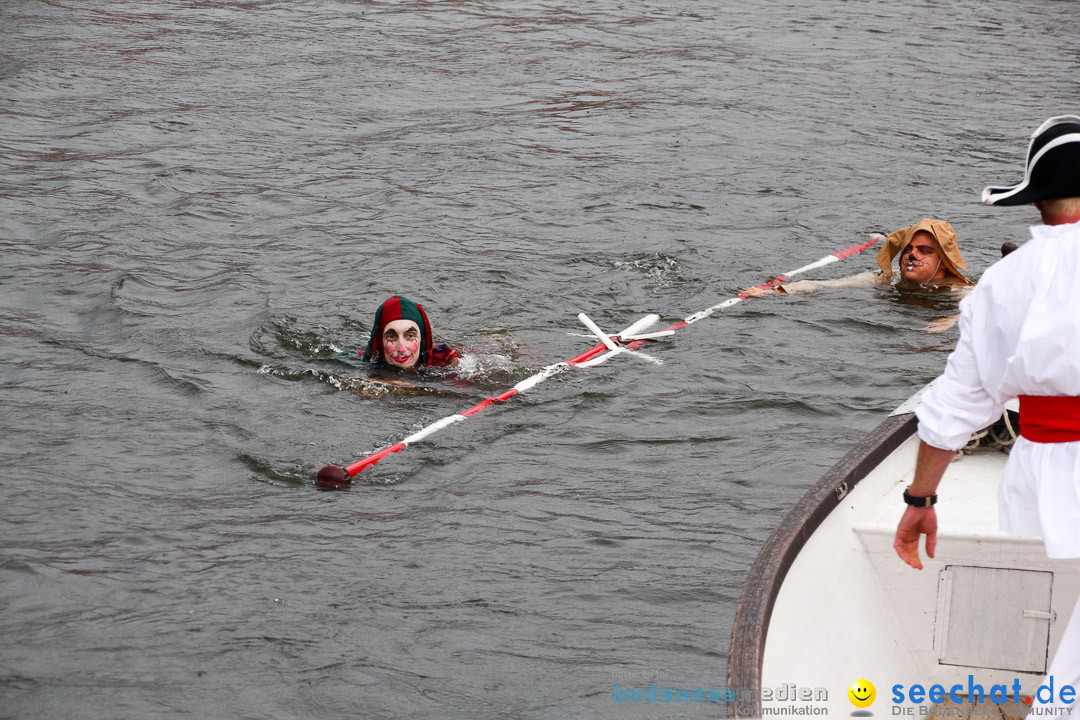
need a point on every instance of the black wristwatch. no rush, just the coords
(926, 501)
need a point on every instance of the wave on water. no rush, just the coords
(481, 365)
(288, 336)
(277, 473)
(663, 270)
(659, 270)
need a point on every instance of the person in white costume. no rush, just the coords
(1019, 337)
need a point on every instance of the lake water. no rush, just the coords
(202, 204)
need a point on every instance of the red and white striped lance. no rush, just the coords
(627, 341)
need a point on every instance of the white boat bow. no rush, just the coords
(828, 602)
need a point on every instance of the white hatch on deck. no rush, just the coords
(994, 618)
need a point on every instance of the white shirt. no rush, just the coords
(1020, 335)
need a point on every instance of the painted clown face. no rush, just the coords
(920, 261)
(401, 343)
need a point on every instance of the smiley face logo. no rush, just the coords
(862, 693)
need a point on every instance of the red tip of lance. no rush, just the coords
(333, 477)
(336, 477)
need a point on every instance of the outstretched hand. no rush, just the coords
(916, 521)
(758, 291)
(941, 324)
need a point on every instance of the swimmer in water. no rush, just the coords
(401, 338)
(929, 257)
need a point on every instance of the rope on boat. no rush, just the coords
(1000, 436)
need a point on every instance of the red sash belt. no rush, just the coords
(1050, 418)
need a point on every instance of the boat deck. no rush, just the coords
(847, 589)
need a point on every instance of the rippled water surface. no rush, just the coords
(202, 203)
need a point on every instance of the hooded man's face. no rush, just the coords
(920, 261)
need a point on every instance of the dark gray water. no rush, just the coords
(202, 204)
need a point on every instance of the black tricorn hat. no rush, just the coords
(1052, 169)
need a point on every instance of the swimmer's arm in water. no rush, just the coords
(941, 324)
(802, 287)
(947, 323)
(444, 356)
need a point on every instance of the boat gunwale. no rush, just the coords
(778, 553)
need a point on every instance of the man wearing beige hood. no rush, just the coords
(928, 257)
(928, 254)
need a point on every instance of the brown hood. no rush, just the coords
(944, 239)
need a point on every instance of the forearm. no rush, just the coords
(930, 466)
(799, 287)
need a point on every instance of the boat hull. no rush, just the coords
(828, 603)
